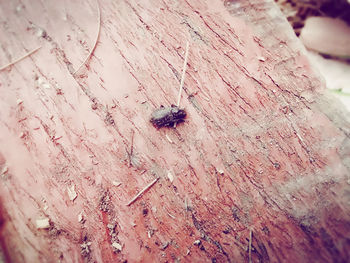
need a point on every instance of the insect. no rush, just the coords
(167, 116)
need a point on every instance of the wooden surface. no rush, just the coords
(264, 150)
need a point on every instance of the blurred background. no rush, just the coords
(323, 26)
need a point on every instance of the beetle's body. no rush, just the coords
(167, 116)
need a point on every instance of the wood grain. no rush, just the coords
(264, 147)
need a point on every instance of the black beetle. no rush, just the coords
(167, 116)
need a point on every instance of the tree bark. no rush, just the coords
(262, 157)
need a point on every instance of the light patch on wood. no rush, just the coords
(40, 32)
(42, 83)
(19, 8)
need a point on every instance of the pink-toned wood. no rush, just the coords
(264, 148)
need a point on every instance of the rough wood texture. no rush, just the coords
(263, 148)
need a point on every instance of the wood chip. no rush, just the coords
(170, 176)
(43, 223)
(168, 138)
(173, 217)
(197, 242)
(4, 170)
(116, 183)
(117, 246)
(81, 217)
(71, 192)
